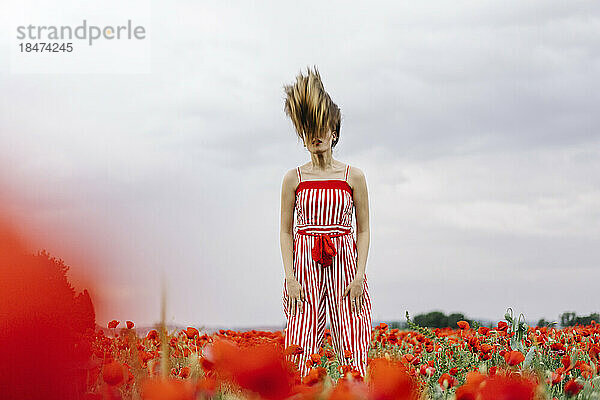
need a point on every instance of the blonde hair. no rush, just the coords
(310, 108)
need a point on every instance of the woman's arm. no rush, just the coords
(361, 203)
(288, 199)
(287, 214)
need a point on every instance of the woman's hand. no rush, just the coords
(356, 291)
(295, 295)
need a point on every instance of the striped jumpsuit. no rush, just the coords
(325, 263)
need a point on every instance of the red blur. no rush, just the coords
(45, 325)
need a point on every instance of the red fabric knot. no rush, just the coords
(323, 250)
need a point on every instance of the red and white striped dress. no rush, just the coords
(325, 263)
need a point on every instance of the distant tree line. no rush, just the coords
(437, 319)
(570, 318)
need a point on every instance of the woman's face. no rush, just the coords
(319, 143)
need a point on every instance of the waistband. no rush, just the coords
(323, 249)
(327, 230)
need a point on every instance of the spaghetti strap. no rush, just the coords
(347, 169)
(299, 175)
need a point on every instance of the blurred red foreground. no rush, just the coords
(44, 324)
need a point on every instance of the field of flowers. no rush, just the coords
(508, 361)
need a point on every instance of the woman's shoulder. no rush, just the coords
(291, 178)
(353, 170)
(356, 176)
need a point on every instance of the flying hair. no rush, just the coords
(310, 107)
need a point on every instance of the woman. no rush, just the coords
(323, 263)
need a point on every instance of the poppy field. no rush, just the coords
(508, 361)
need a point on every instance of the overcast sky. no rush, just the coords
(475, 123)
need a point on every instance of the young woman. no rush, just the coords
(323, 263)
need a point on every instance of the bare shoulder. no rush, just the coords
(356, 177)
(290, 179)
(355, 172)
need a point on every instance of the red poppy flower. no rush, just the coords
(293, 349)
(329, 354)
(485, 348)
(483, 330)
(315, 358)
(472, 385)
(566, 362)
(557, 376)
(514, 357)
(503, 386)
(463, 325)
(113, 324)
(390, 380)
(502, 326)
(260, 369)
(153, 334)
(184, 372)
(426, 370)
(572, 387)
(558, 347)
(447, 381)
(382, 326)
(315, 376)
(344, 369)
(191, 332)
